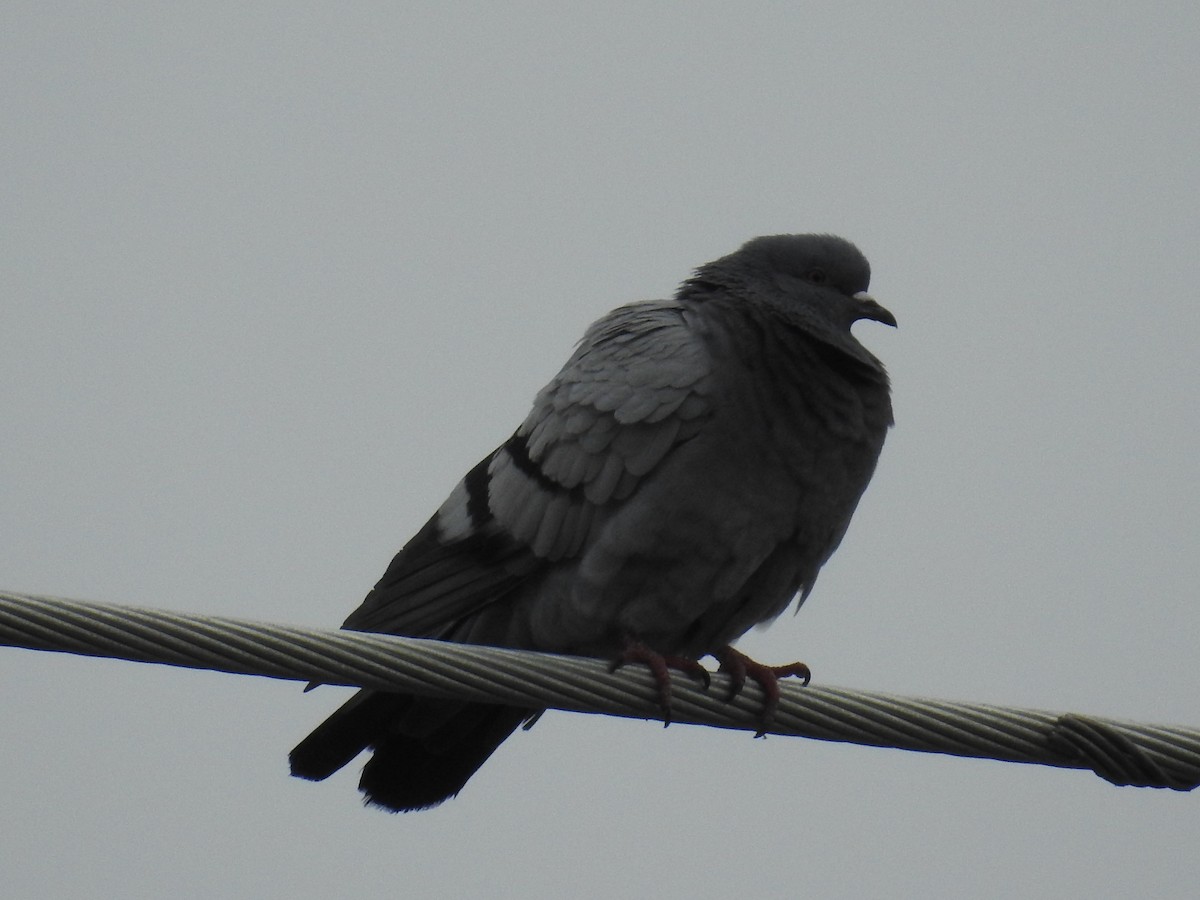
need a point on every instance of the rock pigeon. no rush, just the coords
(682, 479)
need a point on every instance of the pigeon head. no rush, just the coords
(814, 282)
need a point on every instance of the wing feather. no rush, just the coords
(635, 387)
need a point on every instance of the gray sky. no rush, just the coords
(274, 276)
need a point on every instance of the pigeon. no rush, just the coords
(682, 479)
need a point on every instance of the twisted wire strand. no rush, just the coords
(1124, 753)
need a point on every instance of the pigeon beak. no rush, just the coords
(869, 309)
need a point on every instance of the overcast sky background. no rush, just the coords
(274, 276)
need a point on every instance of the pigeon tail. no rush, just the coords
(424, 751)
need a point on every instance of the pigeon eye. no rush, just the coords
(818, 276)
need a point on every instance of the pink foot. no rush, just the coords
(660, 667)
(739, 665)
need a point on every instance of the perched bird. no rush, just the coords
(683, 478)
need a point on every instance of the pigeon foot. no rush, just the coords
(740, 666)
(660, 666)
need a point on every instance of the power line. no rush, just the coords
(1124, 753)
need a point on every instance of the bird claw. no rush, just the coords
(660, 667)
(738, 665)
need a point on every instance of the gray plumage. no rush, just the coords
(683, 478)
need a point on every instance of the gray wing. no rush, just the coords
(636, 387)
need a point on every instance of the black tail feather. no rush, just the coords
(345, 734)
(424, 751)
(408, 773)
